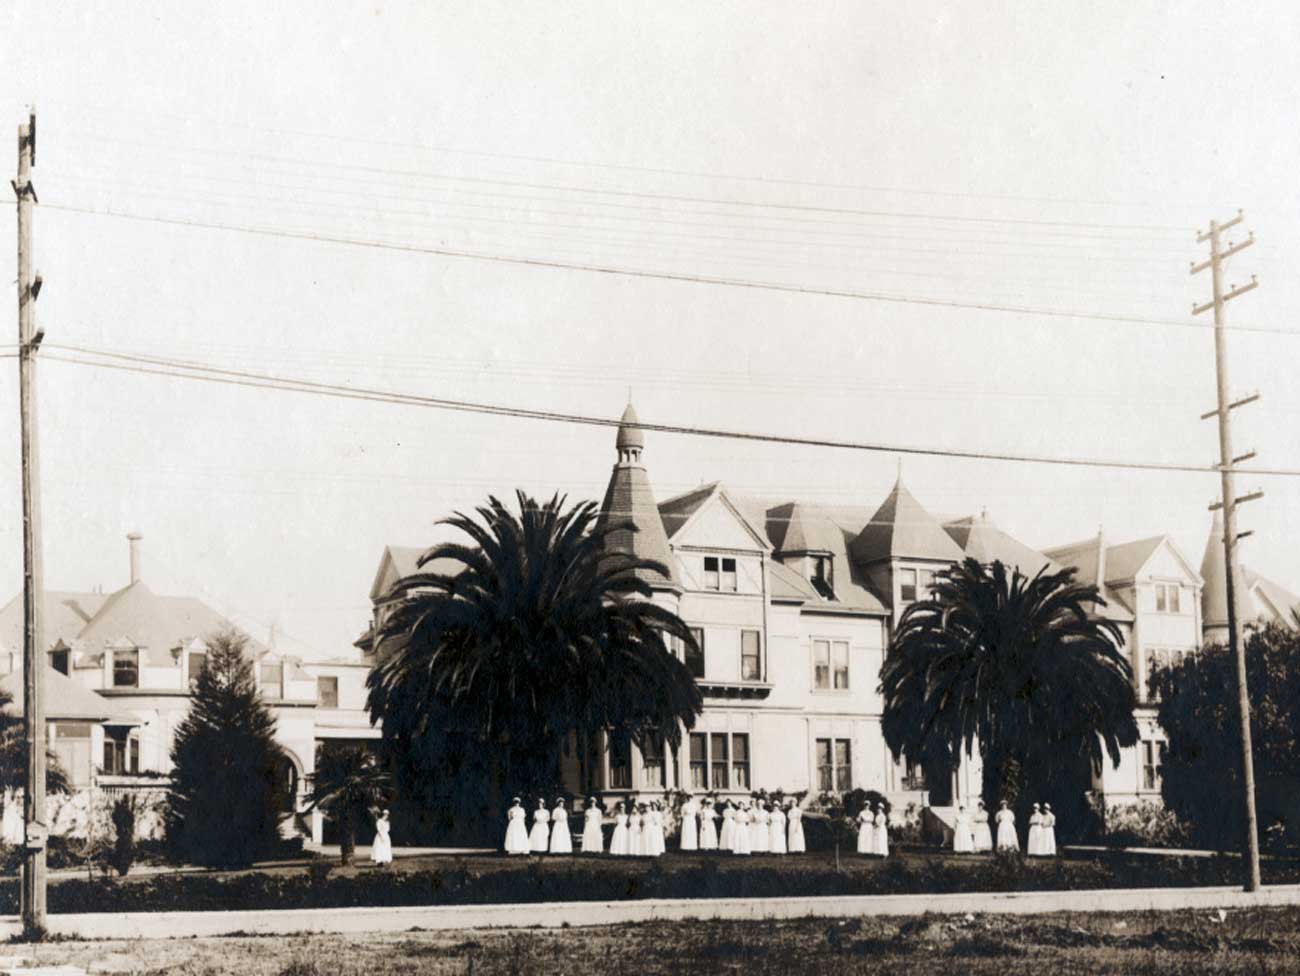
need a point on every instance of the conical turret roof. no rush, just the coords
(1214, 593)
(630, 433)
(902, 527)
(629, 510)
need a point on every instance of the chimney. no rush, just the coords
(134, 539)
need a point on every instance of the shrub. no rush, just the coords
(1145, 824)
(123, 852)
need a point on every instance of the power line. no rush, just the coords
(156, 365)
(653, 275)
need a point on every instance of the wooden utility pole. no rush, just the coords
(29, 339)
(1228, 503)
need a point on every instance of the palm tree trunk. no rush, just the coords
(347, 837)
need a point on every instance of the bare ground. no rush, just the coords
(1256, 941)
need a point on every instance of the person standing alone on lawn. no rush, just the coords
(561, 839)
(690, 837)
(381, 851)
(540, 838)
(516, 829)
(794, 829)
(708, 829)
(1007, 839)
(593, 841)
(983, 836)
(776, 830)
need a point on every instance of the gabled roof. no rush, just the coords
(902, 528)
(398, 562)
(680, 510)
(983, 541)
(1282, 603)
(67, 700)
(677, 510)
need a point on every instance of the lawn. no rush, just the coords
(496, 879)
(1256, 941)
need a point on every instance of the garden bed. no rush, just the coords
(498, 880)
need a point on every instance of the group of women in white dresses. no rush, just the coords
(971, 833)
(747, 827)
(873, 830)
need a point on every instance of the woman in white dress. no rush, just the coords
(758, 837)
(963, 842)
(690, 832)
(880, 835)
(561, 839)
(636, 831)
(1008, 840)
(794, 829)
(12, 828)
(727, 839)
(983, 836)
(1033, 848)
(539, 839)
(620, 841)
(593, 841)
(516, 829)
(708, 829)
(1047, 833)
(381, 851)
(740, 841)
(658, 843)
(776, 830)
(867, 831)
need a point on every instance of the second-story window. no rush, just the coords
(907, 587)
(327, 691)
(1167, 598)
(821, 573)
(59, 661)
(830, 665)
(695, 657)
(126, 669)
(711, 573)
(720, 574)
(652, 761)
(751, 656)
(195, 661)
(620, 764)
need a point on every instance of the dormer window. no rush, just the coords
(126, 668)
(821, 573)
(720, 574)
(59, 660)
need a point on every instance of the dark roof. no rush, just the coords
(795, 528)
(983, 541)
(67, 700)
(629, 511)
(902, 528)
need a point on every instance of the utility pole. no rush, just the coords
(1228, 503)
(29, 340)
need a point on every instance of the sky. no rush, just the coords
(993, 154)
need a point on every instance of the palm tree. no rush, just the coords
(539, 638)
(1020, 667)
(348, 783)
(13, 754)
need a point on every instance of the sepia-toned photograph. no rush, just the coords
(536, 488)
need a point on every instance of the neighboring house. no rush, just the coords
(120, 669)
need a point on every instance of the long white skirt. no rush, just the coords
(740, 841)
(776, 837)
(727, 839)
(1047, 841)
(620, 841)
(1007, 839)
(983, 836)
(635, 841)
(593, 840)
(794, 836)
(381, 851)
(516, 836)
(880, 841)
(540, 838)
(867, 838)
(963, 842)
(758, 838)
(1033, 848)
(690, 833)
(561, 839)
(708, 834)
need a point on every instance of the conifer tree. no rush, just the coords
(222, 808)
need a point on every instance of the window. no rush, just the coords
(1168, 598)
(272, 680)
(699, 761)
(740, 759)
(620, 765)
(59, 661)
(821, 573)
(194, 662)
(121, 752)
(913, 777)
(751, 663)
(718, 755)
(711, 573)
(830, 665)
(126, 669)
(327, 691)
(834, 765)
(1152, 754)
(907, 590)
(71, 744)
(695, 658)
(652, 761)
(729, 575)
